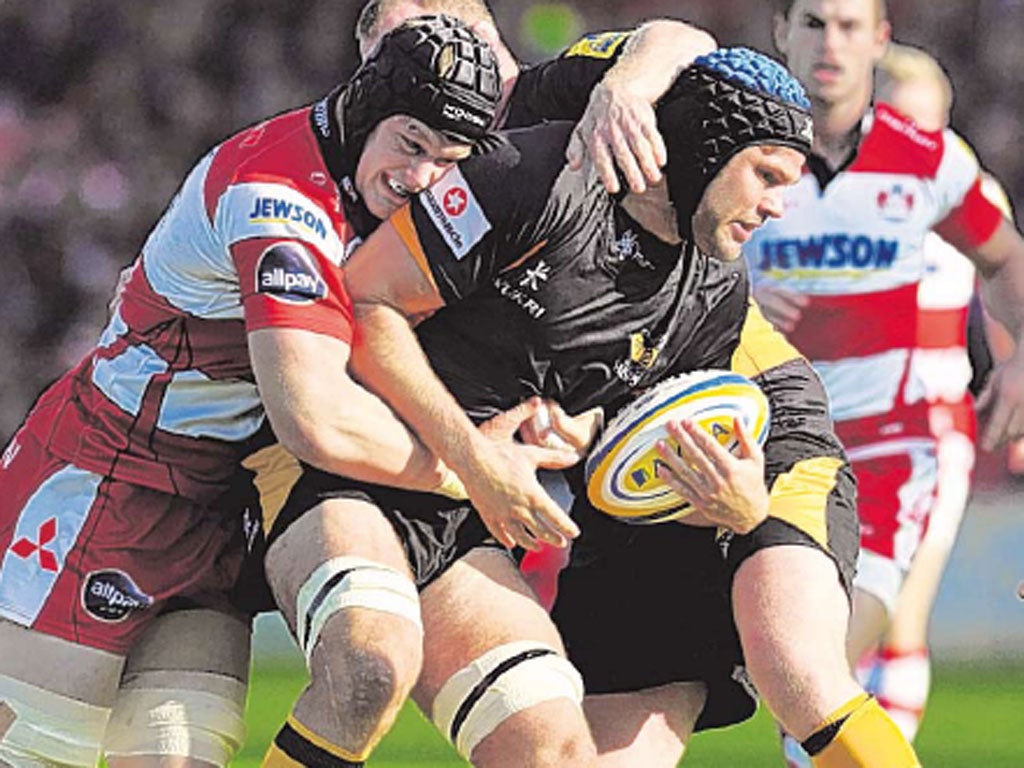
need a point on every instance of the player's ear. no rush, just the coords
(883, 36)
(780, 32)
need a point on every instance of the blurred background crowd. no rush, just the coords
(106, 104)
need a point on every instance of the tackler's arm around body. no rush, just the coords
(388, 287)
(619, 128)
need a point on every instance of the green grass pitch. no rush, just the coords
(975, 718)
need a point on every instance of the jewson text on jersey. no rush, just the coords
(835, 251)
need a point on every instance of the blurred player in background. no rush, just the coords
(839, 273)
(899, 671)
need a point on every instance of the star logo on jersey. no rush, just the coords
(641, 349)
(26, 547)
(895, 203)
(455, 201)
(535, 276)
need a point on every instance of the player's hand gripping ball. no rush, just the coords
(622, 468)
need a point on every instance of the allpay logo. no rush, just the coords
(288, 272)
(111, 595)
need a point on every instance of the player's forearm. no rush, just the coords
(1002, 294)
(366, 441)
(389, 360)
(1000, 262)
(655, 54)
(326, 419)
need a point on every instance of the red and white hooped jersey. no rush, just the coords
(254, 238)
(940, 362)
(856, 250)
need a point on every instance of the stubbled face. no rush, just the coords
(744, 195)
(402, 157)
(832, 47)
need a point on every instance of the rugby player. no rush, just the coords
(899, 671)
(840, 273)
(618, 132)
(109, 515)
(540, 282)
(335, 547)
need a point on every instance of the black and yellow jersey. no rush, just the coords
(555, 289)
(552, 289)
(559, 89)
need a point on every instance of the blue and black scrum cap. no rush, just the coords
(726, 101)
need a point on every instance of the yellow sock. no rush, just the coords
(295, 746)
(860, 735)
(276, 758)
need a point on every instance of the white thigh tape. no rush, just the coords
(200, 717)
(505, 680)
(46, 728)
(347, 582)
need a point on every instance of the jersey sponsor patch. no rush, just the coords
(47, 529)
(455, 212)
(288, 272)
(110, 595)
(261, 210)
(828, 254)
(599, 45)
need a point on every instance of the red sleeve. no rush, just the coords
(972, 222)
(289, 284)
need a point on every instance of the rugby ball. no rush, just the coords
(621, 470)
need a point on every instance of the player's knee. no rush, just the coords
(363, 687)
(358, 623)
(342, 584)
(200, 720)
(554, 733)
(354, 696)
(515, 678)
(42, 728)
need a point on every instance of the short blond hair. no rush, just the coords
(469, 12)
(905, 63)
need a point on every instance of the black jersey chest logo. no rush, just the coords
(627, 248)
(521, 286)
(535, 276)
(643, 353)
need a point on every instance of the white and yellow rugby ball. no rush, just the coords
(621, 470)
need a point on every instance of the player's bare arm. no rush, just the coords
(619, 128)
(326, 419)
(388, 287)
(1000, 261)
(782, 306)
